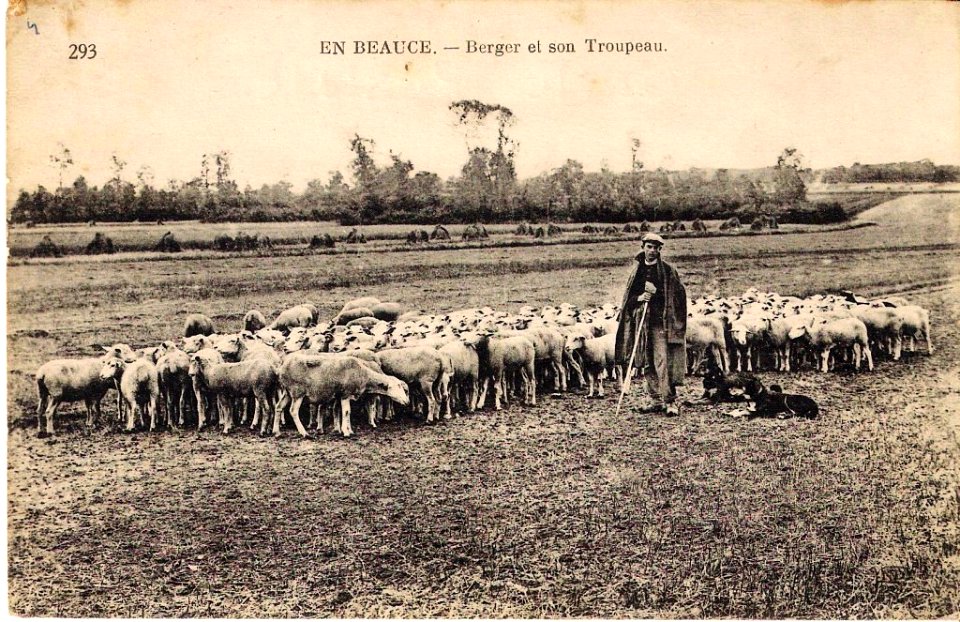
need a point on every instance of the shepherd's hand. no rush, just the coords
(644, 297)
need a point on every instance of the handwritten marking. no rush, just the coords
(33, 26)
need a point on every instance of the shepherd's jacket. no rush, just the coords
(674, 319)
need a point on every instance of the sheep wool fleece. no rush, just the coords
(674, 323)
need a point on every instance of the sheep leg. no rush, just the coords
(869, 357)
(345, 427)
(825, 360)
(314, 416)
(591, 378)
(695, 358)
(432, 407)
(495, 386)
(445, 396)
(295, 415)
(43, 399)
(318, 413)
(257, 413)
(484, 387)
(153, 412)
(337, 411)
(471, 390)
(52, 405)
(896, 344)
(88, 402)
(577, 369)
(373, 405)
(226, 413)
(201, 408)
(280, 408)
(529, 373)
(267, 412)
(561, 373)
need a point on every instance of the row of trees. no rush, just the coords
(487, 189)
(395, 194)
(921, 171)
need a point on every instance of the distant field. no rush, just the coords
(197, 236)
(918, 187)
(557, 510)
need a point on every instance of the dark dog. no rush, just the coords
(776, 403)
(715, 380)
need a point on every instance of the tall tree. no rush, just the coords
(471, 116)
(62, 160)
(790, 188)
(118, 166)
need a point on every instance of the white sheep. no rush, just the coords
(779, 337)
(465, 381)
(548, 343)
(916, 324)
(599, 361)
(499, 356)
(300, 315)
(846, 332)
(423, 368)
(884, 326)
(71, 380)
(749, 333)
(195, 343)
(139, 385)
(205, 398)
(173, 369)
(323, 378)
(705, 334)
(254, 378)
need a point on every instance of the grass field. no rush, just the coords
(197, 239)
(556, 510)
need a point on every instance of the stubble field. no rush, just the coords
(553, 510)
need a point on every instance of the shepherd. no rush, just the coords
(658, 335)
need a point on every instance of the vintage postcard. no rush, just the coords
(483, 309)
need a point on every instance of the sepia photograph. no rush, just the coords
(483, 309)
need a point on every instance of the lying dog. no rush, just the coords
(776, 403)
(715, 380)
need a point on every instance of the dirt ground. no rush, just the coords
(558, 510)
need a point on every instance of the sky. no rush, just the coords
(738, 81)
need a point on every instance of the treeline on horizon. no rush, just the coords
(486, 190)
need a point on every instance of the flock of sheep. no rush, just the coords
(374, 356)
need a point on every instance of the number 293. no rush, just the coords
(83, 51)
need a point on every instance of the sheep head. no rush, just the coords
(196, 366)
(797, 332)
(396, 389)
(151, 354)
(120, 351)
(574, 342)
(112, 368)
